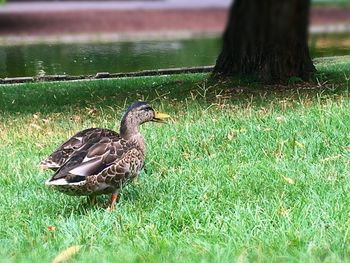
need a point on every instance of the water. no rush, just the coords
(84, 59)
(88, 59)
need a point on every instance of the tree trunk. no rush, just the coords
(267, 39)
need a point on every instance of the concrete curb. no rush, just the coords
(107, 75)
(169, 35)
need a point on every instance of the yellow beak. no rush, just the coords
(160, 117)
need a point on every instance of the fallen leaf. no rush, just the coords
(299, 144)
(283, 211)
(278, 119)
(35, 126)
(39, 145)
(51, 228)
(91, 111)
(36, 115)
(288, 180)
(243, 256)
(75, 118)
(230, 136)
(66, 254)
(331, 158)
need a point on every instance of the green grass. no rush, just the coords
(331, 3)
(241, 173)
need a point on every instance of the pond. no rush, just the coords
(90, 58)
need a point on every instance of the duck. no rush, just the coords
(100, 161)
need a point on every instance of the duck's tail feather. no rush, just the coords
(49, 164)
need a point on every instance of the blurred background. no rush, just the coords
(56, 37)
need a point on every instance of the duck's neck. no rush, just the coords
(131, 133)
(128, 128)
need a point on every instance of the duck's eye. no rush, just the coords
(147, 109)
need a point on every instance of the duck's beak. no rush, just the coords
(160, 117)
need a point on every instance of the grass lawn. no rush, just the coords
(241, 173)
(331, 3)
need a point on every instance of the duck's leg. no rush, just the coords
(113, 201)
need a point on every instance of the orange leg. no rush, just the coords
(113, 201)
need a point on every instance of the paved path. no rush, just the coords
(113, 21)
(118, 5)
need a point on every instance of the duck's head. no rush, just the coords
(138, 113)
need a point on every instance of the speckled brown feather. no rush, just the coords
(102, 166)
(68, 148)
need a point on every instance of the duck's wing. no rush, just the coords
(95, 157)
(72, 145)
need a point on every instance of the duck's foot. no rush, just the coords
(113, 201)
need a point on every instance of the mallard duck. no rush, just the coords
(100, 161)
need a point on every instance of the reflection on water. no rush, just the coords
(88, 59)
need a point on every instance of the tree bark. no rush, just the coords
(267, 39)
